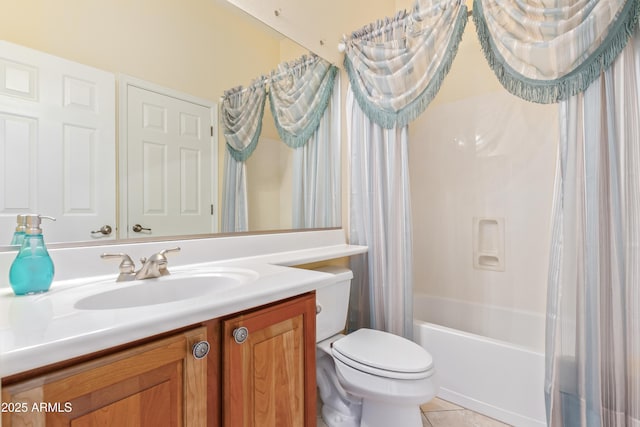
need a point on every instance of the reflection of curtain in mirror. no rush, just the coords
(241, 115)
(305, 107)
(316, 173)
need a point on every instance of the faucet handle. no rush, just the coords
(127, 265)
(165, 251)
(161, 259)
(159, 256)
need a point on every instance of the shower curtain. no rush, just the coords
(395, 69)
(380, 217)
(585, 55)
(593, 328)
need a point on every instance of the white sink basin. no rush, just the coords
(182, 285)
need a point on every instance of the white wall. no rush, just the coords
(480, 151)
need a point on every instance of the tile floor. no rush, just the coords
(440, 413)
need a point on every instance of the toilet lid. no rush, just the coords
(389, 355)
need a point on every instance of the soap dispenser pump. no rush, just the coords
(21, 226)
(32, 270)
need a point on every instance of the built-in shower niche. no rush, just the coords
(488, 243)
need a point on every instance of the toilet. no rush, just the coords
(367, 378)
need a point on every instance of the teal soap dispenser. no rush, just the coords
(32, 270)
(18, 235)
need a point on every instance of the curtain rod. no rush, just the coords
(342, 46)
(296, 65)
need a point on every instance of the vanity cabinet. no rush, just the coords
(160, 383)
(260, 371)
(268, 355)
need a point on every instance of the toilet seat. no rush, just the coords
(383, 354)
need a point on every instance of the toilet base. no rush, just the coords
(354, 398)
(380, 414)
(334, 418)
(339, 409)
(374, 414)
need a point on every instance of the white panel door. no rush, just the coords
(57, 144)
(171, 171)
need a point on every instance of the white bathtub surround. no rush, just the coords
(480, 370)
(46, 328)
(488, 244)
(483, 157)
(593, 339)
(522, 328)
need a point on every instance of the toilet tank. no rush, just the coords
(332, 302)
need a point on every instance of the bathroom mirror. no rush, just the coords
(200, 49)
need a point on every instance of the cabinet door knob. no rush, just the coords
(240, 334)
(200, 349)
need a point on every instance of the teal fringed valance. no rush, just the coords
(546, 54)
(298, 96)
(242, 111)
(396, 66)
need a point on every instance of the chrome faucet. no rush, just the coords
(154, 266)
(127, 267)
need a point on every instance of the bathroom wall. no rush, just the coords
(269, 169)
(195, 49)
(269, 178)
(479, 151)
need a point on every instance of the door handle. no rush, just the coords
(104, 230)
(138, 228)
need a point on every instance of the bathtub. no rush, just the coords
(487, 359)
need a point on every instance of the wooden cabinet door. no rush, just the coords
(155, 384)
(269, 380)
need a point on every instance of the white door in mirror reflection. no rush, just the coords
(170, 164)
(57, 144)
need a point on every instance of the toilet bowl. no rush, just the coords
(367, 378)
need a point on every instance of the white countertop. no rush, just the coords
(39, 330)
